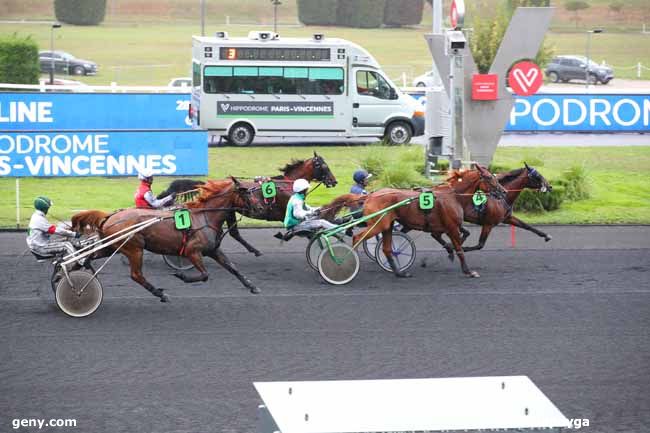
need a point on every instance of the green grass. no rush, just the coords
(619, 181)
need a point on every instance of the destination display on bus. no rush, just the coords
(275, 54)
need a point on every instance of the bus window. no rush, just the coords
(370, 83)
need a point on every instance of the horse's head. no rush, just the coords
(321, 171)
(245, 197)
(489, 182)
(536, 180)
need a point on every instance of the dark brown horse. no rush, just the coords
(446, 217)
(203, 238)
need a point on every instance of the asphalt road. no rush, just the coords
(572, 314)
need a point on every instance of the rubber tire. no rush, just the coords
(178, 263)
(245, 133)
(370, 245)
(314, 249)
(325, 262)
(409, 243)
(420, 84)
(394, 129)
(554, 77)
(65, 299)
(78, 70)
(604, 83)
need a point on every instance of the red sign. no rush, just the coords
(457, 14)
(453, 15)
(484, 87)
(525, 78)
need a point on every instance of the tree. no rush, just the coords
(80, 12)
(575, 6)
(403, 12)
(360, 13)
(317, 12)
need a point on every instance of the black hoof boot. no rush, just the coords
(547, 238)
(255, 290)
(404, 275)
(164, 298)
(179, 275)
(257, 253)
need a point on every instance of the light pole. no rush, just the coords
(275, 4)
(202, 17)
(589, 33)
(54, 26)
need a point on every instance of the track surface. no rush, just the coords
(572, 314)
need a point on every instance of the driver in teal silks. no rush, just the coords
(299, 216)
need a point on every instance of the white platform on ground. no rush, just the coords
(469, 403)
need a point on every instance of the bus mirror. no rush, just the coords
(221, 35)
(319, 36)
(393, 93)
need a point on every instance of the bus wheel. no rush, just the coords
(241, 134)
(398, 133)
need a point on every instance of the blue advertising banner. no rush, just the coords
(93, 111)
(102, 153)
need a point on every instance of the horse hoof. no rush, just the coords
(164, 298)
(474, 274)
(179, 275)
(255, 290)
(451, 256)
(548, 238)
(257, 253)
(403, 275)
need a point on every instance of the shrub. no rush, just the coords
(360, 13)
(80, 12)
(403, 12)
(413, 156)
(317, 12)
(18, 60)
(577, 183)
(401, 174)
(374, 161)
(575, 6)
(535, 201)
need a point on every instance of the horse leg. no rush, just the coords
(485, 232)
(195, 258)
(135, 263)
(454, 235)
(387, 247)
(447, 246)
(221, 258)
(231, 220)
(465, 233)
(519, 223)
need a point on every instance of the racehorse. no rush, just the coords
(208, 213)
(446, 216)
(273, 210)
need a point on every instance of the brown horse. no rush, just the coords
(208, 213)
(446, 216)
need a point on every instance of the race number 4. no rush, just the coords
(427, 200)
(182, 219)
(269, 190)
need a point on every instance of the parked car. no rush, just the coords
(65, 63)
(566, 68)
(424, 80)
(180, 82)
(71, 85)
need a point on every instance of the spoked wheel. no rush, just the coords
(340, 266)
(403, 252)
(82, 298)
(314, 248)
(370, 245)
(177, 262)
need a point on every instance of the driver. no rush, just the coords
(361, 178)
(144, 198)
(299, 216)
(40, 230)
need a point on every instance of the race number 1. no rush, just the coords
(182, 219)
(268, 190)
(427, 200)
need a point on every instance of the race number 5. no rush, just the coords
(427, 200)
(182, 219)
(268, 190)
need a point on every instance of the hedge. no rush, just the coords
(80, 12)
(360, 13)
(317, 12)
(403, 12)
(18, 60)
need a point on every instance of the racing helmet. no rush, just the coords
(146, 174)
(42, 203)
(361, 176)
(300, 185)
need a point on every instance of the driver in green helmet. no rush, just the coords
(40, 230)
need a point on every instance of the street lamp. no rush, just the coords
(589, 33)
(202, 17)
(275, 4)
(54, 26)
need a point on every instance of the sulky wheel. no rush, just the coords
(83, 297)
(403, 252)
(340, 266)
(177, 262)
(316, 246)
(370, 245)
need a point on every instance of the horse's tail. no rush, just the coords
(350, 201)
(88, 221)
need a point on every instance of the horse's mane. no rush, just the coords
(209, 190)
(458, 175)
(91, 219)
(510, 175)
(295, 163)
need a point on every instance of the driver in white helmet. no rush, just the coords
(299, 216)
(144, 198)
